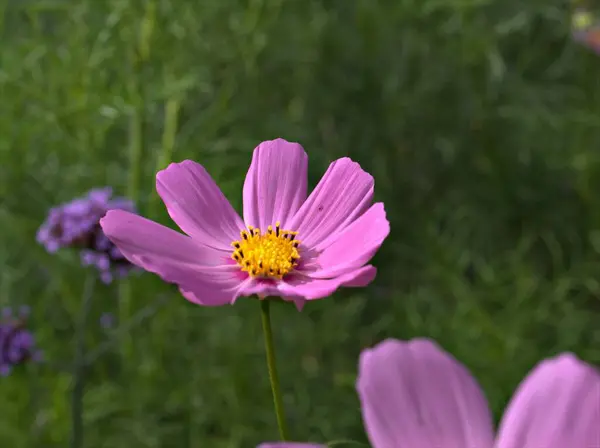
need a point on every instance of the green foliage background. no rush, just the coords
(480, 120)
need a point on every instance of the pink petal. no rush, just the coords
(176, 258)
(275, 185)
(414, 394)
(556, 406)
(197, 205)
(209, 294)
(266, 288)
(289, 445)
(263, 288)
(312, 289)
(342, 195)
(355, 245)
(301, 288)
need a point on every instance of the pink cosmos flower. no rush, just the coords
(415, 395)
(288, 245)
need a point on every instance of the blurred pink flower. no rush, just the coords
(288, 245)
(416, 395)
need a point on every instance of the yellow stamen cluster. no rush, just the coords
(269, 255)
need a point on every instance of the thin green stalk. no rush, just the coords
(138, 55)
(169, 132)
(135, 145)
(146, 30)
(133, 192)
(272, 367)
(169, 135)
(79, 365)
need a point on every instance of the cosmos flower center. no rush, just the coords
(272, 254)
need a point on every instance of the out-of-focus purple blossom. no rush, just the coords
(17, 344)
(76, 225)
(107, 320)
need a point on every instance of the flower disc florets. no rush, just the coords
(269, 255)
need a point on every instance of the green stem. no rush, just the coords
(169, 135)
(135, 149)
(133, 192)
(79, 365)
(272, 366)
(169, 132)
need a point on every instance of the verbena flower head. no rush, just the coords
(288, 245)
(76, 224)
(107, 320)
(17, 344)
(415, 395)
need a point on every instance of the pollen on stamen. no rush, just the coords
(273, 254)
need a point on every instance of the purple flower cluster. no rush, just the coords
(17, 344)
(107, 321)
(76, 225)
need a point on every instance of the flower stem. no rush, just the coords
(138, 53)
(272, 366)
(169, 135)
(78, 365)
